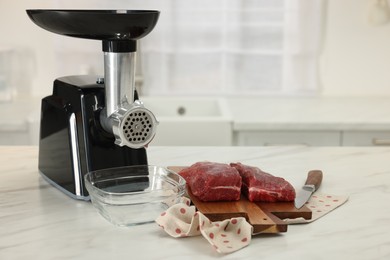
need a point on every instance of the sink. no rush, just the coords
(191, 120)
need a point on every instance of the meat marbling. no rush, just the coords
(261, 186)
(210, 181)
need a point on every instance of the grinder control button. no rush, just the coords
(100, 80)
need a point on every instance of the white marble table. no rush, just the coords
(39, 222)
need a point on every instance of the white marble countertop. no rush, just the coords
(39, 222)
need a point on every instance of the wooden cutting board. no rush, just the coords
(265, 217)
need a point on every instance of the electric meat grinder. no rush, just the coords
(89, 122)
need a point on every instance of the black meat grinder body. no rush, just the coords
(72, 141)
(87, 122)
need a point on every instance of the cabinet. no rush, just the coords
(19, 122)
(365, 138)
(312, 138)
(14, 134)
(301, 137)
(23, 132)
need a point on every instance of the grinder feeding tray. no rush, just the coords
(92, 122)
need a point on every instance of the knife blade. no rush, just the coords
(313, 182)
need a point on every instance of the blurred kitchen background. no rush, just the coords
(221, 72)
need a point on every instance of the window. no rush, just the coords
(227, 47)
(232, 47)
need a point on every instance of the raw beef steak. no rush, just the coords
(210, 181)
(261, 186)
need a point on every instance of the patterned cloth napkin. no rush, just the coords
(320, 205)
(182, 220)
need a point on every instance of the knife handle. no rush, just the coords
(314, 177)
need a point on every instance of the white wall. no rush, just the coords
(17, 31)
(355, 60)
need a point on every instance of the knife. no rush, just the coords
(313, 182)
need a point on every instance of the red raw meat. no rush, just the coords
(210, 181)
(261, 186)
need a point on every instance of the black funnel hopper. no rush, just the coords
(118, 29)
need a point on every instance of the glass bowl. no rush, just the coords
(133, 195)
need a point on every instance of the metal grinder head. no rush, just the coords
(134, 126)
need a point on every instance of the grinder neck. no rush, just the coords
(119, 79)
(119, 74)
